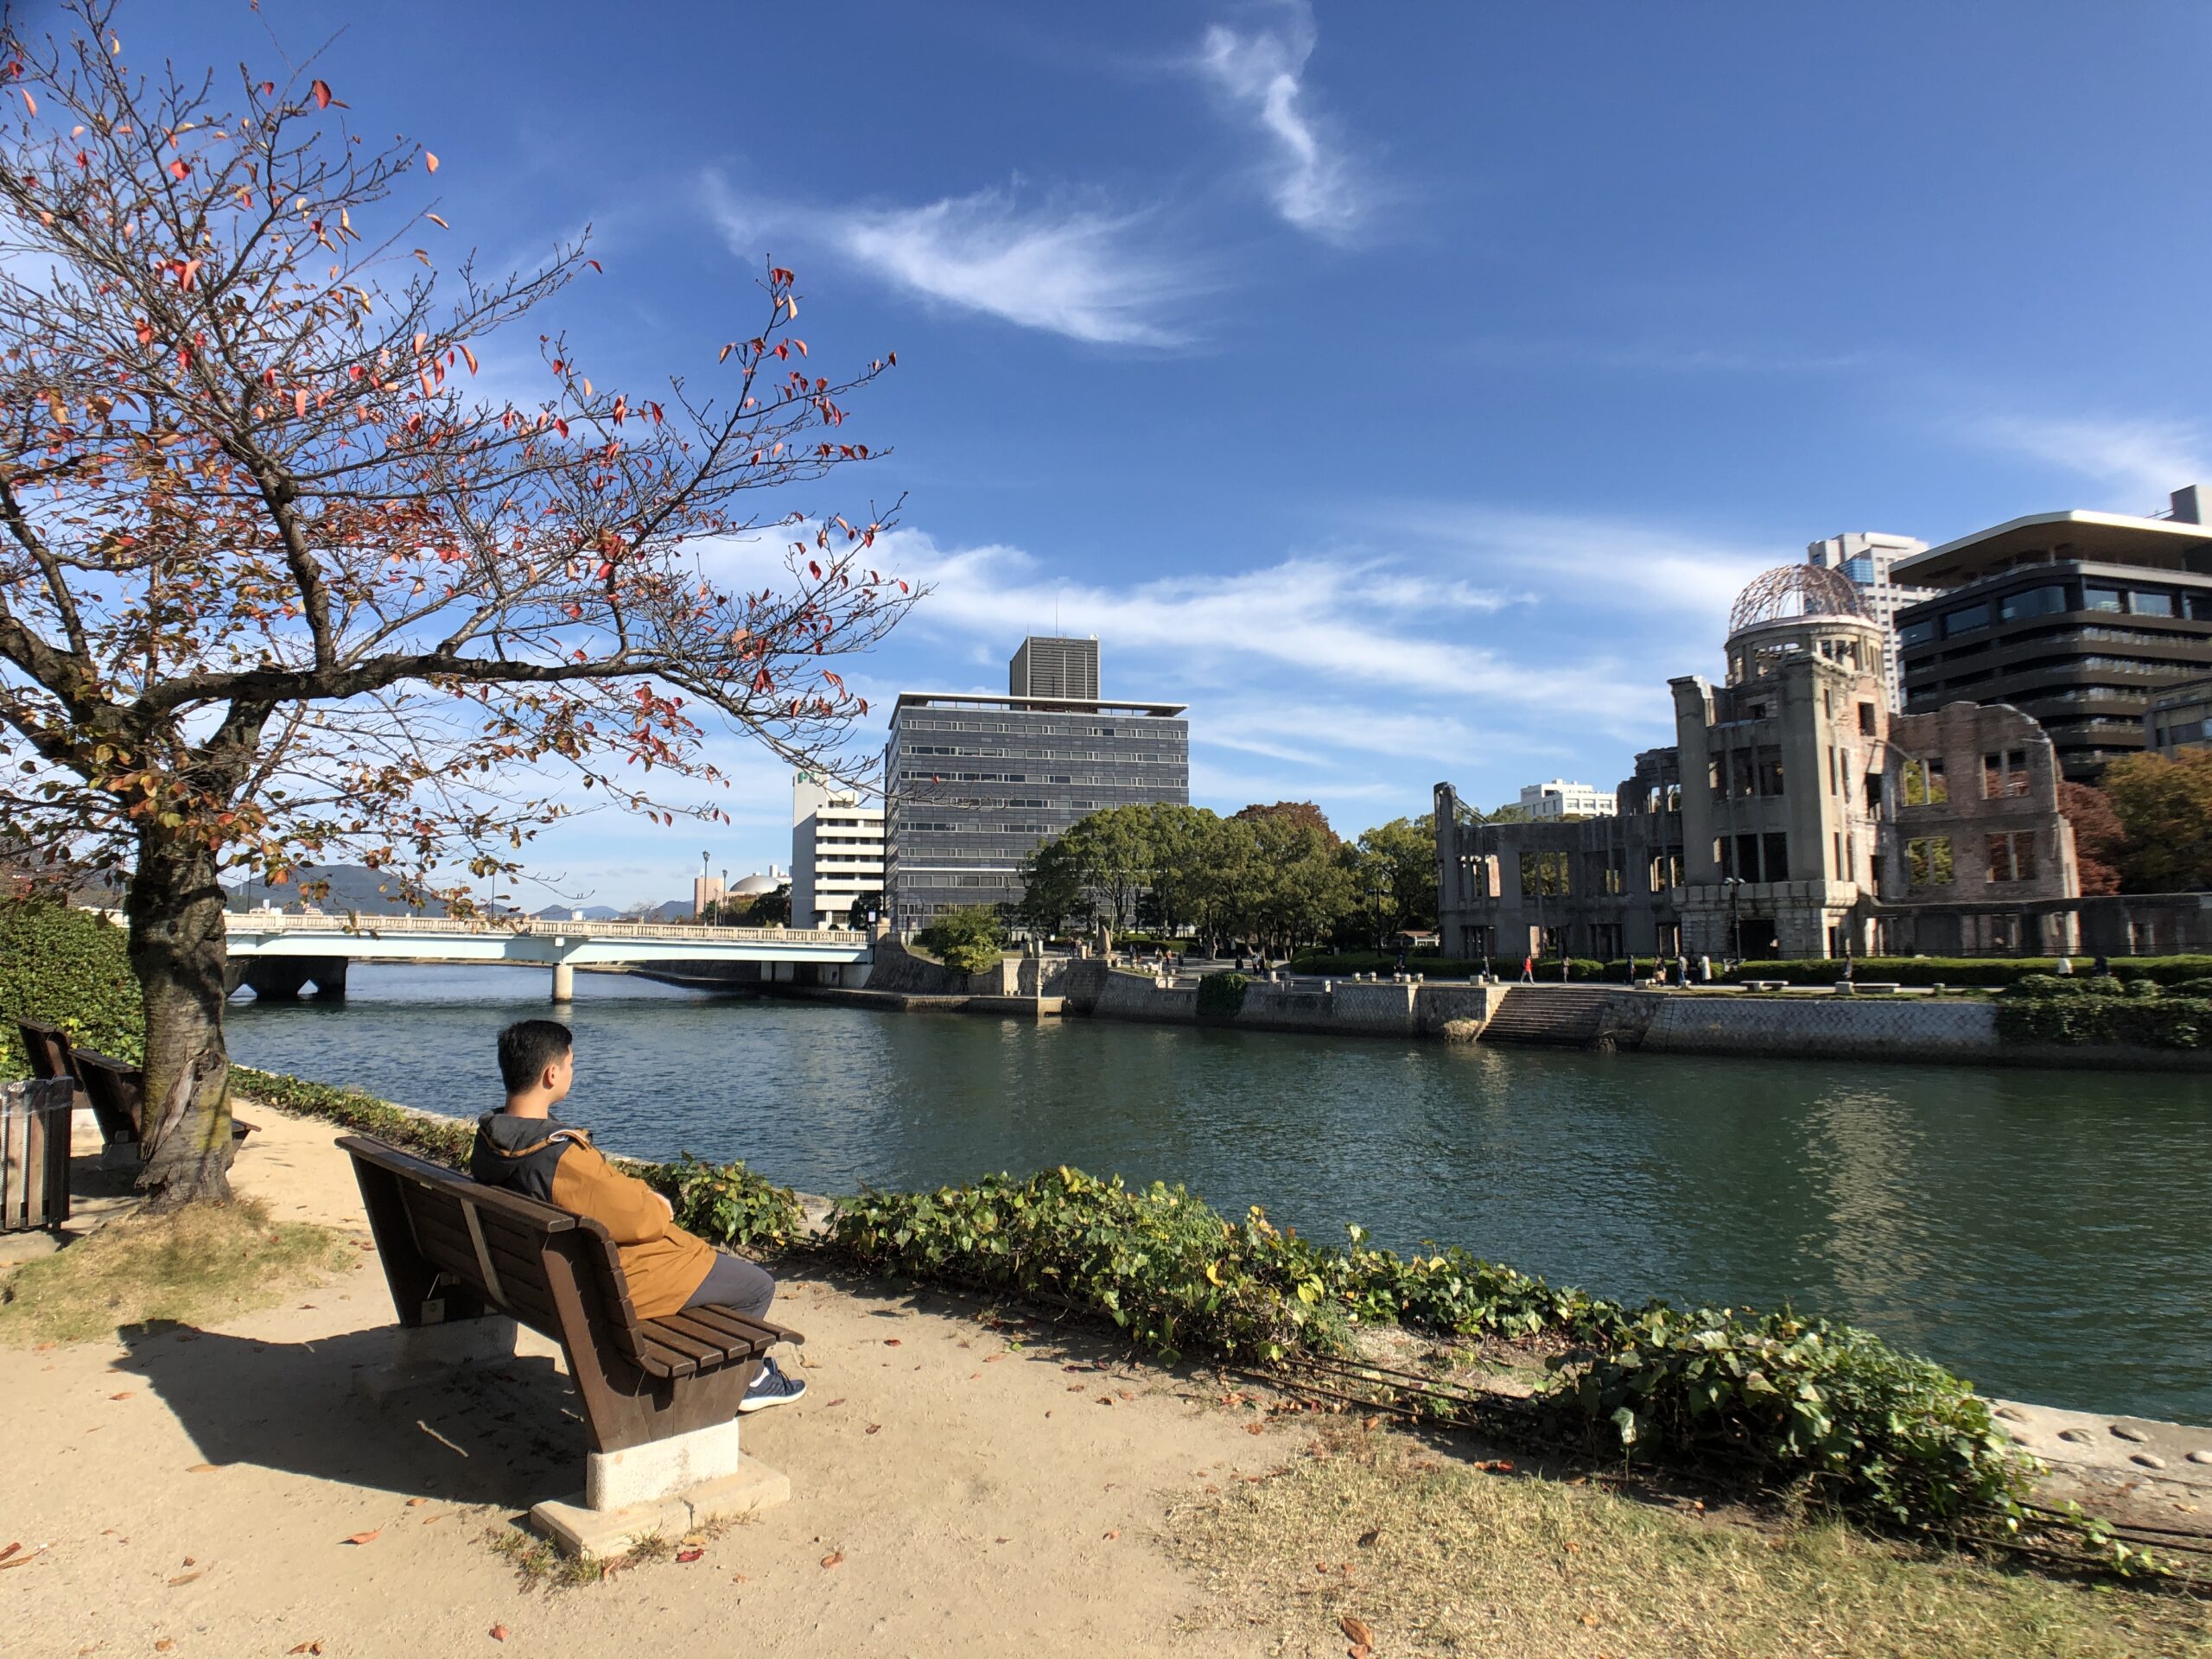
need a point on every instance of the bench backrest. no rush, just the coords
(116, 1090)
(493, 1242)
(48, 1048)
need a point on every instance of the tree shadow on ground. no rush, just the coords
(504, 1431)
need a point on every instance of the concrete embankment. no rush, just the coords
(1586, 1016)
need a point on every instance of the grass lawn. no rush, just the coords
(206, 1262)
(1435, 1558)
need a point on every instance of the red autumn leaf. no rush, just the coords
(498, 1632)
(834, 1558)
(891, 1342)
(687, 1556)
(873, 1428)
(179, 170)
(596, 266)
(368, 1537)
(815, 570)
(322, 90)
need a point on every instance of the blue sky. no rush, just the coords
(1407, 389)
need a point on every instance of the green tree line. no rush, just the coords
(1276, 877)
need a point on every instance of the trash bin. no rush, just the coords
(35, 1119)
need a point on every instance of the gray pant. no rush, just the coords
(737, 1284)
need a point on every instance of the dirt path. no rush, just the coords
(192, 1491)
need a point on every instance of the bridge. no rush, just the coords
(279, 953)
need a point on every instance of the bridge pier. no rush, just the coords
(564, 981)
(281, 979)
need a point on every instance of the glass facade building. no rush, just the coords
(972, 784)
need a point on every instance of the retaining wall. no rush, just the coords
(1854, 1028)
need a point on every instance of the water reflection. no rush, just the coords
(2049, 1235)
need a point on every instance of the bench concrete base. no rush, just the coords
(430, 1353)
(577, 1528)
(615, 1480)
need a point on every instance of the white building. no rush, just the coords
(837, 852)
(1866, 557)
(1561, 799)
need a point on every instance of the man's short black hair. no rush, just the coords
(527, 1047)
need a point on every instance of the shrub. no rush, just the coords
(1993, 971)
(727, 1204)
(1891, 1436)
(65, 968)
(2076, 1011)
(968, 940)
(1221, 996)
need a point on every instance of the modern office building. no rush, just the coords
(1867, 560)
(1795, 815)
(837, 852)
(972, 783)
(1561, 799)
(1051, 667)
(2078, 619)
(2180, 717)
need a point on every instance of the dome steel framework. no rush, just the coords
(1790, 591)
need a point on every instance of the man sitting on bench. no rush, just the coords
(527, 1150)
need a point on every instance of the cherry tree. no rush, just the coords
(277, 586)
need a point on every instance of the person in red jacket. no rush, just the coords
(525, 1149)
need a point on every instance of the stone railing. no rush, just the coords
(264, 921)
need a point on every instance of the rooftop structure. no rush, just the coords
(2078, 619)
(1050, 666)
(1561, 799)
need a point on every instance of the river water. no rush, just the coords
(2048, 1235)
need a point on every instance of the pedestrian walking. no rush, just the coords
(1529, 969)
(1682, 969)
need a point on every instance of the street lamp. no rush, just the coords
(1734, 883)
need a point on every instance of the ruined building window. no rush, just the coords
(1613, 882)
(1713, 776)
(1544, 874)
(1775, 851)
(1770, 772)
(1928, 860)
(2012, 856)
(1666, 870)
(2004, 774)
(1673, 798)
(1924, 785)
(1866, 720)
(1739, 773)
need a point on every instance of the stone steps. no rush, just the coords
(1563, 1016)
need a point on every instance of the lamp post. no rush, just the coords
(1734, 883)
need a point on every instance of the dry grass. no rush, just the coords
(1441, 1560)
(206, 1262)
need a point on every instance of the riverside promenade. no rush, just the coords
(957, 1486)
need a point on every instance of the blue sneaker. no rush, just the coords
(771, 1387)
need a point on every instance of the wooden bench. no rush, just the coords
(115, 1089)
(456, 1252)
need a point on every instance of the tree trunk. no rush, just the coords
(179, 949)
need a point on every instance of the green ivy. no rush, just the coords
(2085, 1010)
(67, 967)
(1894, 1437)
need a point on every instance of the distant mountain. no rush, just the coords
(353, 888)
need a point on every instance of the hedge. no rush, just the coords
(65, 968)
(1347, 963)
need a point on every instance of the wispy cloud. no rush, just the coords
(1261, 74)
(2149, 456)
(1068, 265)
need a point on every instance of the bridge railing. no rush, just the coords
(264, 921)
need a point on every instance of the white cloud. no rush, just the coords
(2149, 457)
(1068, 265)
(1261, 74)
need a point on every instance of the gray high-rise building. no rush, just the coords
(1050, 667)
(972, 783)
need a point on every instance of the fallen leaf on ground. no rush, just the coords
(838, 1401)
(183, 1578)
(1003, 1541)
(10, 1550)
(687, 1556)
(1367, 1539)
(125, 1394)
(1253, 1428)
(164, 1644)
(1356, 1630)
(833, 1558)
(415, 1502)
(307, 1647)
(203, 1468)
(1113, 1532)
(498, 1632)
(873, 1428)
(1591, 1619)
(368, 1537)
(1075, 1388)
(892, 1342)
(993, 1359)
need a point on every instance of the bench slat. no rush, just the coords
(702, 1351)
(727, 1345)
(421, 1172)
(447, 1244)
(658, 1359)
(739, 1325)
